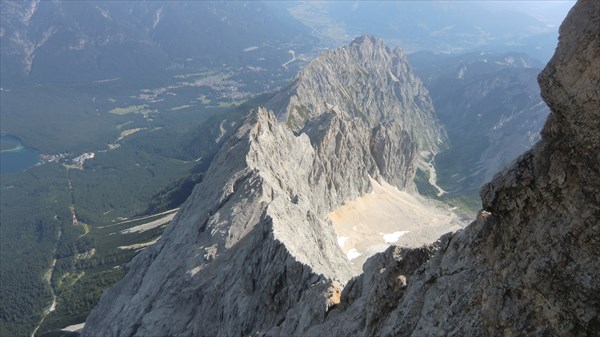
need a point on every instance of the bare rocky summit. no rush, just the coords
(365, 79)
(252, 249)
(251, 252)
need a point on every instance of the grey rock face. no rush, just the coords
(367, 80)
(252, 250)
(529, 265)
(250, 253)
(232, 263)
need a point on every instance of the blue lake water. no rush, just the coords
(18, 159)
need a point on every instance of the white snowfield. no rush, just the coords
(371, 223)
(393, 237)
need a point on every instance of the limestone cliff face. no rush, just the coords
(250, 252)
(252, 249)
(228, 264)
(365, 79)
(530, 264)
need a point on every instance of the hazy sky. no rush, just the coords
(551, 12)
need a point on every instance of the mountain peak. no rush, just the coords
(253, 251)
(365, 80)
(368, 40)
(257, 230)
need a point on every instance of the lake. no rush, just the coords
(14, 156)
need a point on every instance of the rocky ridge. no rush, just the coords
(252, 248)
(365, 79)
(233, 262)
(529, 265)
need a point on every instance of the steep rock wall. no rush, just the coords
(530, 264)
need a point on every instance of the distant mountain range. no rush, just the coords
(94, 40)
(441, 26)
(91, 40)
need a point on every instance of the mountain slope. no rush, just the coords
(529, 265)
(242, 256)
(365, 79)
(253, 245)
(491, 109)
(369, 81)
(54, 41)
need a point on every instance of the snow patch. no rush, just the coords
(136, 246)
(150, 225)
(387, 215)
(194, 271)
(353, 254)
(393, 237)
(29, 13)
(74, 327)
(342, 240)
(461, 72)
(103, 12)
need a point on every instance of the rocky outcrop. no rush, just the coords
(366, 80)
(252, 249)
(251, 254)
(232, 250)
(529, 265)
(374, 86)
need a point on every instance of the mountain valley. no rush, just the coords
(490, 107)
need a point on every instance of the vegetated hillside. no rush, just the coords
(141, 177)
(75, 72)
(27, 240)
(52, 41)
(491, 108)
(37, 227)
(250, 252)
